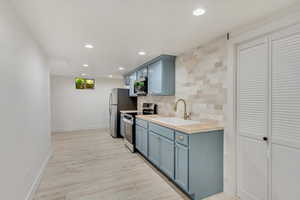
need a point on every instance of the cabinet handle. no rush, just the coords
(179, 137)
(265, 139)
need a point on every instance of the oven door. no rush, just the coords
(129, 132)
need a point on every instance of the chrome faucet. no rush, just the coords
(186, 115)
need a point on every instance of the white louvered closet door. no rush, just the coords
(285, 142)
(252, 119)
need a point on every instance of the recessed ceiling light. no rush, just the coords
(88, 46)
(83, 74)
(121, 68)
(199, 12)
(85, 65)
(110, 76)
(142, 53)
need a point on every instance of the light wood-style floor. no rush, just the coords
(90, 165)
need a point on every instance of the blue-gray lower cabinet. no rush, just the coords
(205, 164)
(141, 139)
(181, 166)
(161, 153)
(193, 161)
(167, 156)
(154, 148)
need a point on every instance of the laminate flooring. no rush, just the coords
(91, 165)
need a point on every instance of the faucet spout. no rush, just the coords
(186, 115)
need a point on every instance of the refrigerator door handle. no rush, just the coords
(110, 96)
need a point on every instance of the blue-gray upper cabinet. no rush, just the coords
(143, 72)
(127, 80)
(141, 139)
(132, 79)
(154, 148)
(161, 76)
(167, 156)
(181, 166)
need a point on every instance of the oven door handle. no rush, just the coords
(128, 121)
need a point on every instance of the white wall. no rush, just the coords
(80, 109)
(25, 142)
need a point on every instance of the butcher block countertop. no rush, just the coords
(200, 127)
(128, 111)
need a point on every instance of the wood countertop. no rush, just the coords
(206, 126)
(129, 111)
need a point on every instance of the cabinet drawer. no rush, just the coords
(163, 131)
(141, 123)
(182, 138)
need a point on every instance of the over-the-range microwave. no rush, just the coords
(141, 86)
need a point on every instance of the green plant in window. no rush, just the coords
(89, 83)
(80, 83)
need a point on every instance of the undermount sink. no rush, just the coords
(175, 121)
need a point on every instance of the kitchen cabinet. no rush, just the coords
(181, 166)
(154, 148)
(167, 156)
(141, 139)
(127, 81)
(161, 77)
(160, 73)
(194, 162)
(142, 73)
(132, 79)
(161, 153)
(161, 148)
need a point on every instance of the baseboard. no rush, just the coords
(37, 180)
(79, 129)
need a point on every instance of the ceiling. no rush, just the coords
(119, 29)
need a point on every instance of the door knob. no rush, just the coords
(265, 139)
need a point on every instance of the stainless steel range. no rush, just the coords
(129, 124)
(129, 137)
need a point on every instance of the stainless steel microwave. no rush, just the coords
(141, 86)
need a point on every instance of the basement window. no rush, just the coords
(84, 83)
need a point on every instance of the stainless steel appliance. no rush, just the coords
(119, 100)
(129, 124)
(149, 109)
(129, 139)
(141, 86)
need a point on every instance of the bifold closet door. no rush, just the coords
(285, 143)
(252, 119)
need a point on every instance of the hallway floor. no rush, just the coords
(90, 165)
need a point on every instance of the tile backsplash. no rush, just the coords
(200, 80)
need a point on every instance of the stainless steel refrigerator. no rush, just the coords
(119, 99)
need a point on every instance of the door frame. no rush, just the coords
(288, 18)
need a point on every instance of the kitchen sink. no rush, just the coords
(175, 121)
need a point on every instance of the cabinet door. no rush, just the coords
(142, 73)
(154, 148)
(252, 120)
(181, 166)
(167, 156)
(155, 78)
(144, 141)
(127, 80)
(131, 88)
(138, 133)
